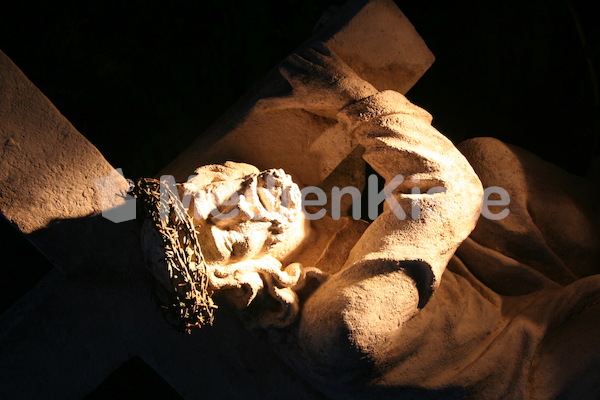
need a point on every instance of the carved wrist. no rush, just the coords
(378, 105)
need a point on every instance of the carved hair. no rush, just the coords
(248, 222)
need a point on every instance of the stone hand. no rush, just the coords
(322, 83)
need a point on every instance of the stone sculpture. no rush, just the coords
(437, 303)
(324, 84)
(393, 310)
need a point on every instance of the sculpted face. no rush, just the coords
(248, 223)
(248, 217)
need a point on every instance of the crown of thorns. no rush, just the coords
(189, 303)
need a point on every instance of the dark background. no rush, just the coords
(142, 79)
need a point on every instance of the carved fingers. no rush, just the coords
(322, 83)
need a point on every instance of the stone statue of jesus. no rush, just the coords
(441, 302)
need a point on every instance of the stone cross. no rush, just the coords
(95, 310)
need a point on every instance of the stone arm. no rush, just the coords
(352, 321)
(428, 178)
